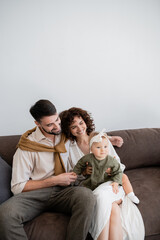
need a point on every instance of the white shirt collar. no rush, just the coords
(40, 136)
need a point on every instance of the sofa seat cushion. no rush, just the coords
(145, 182)
(47, 226)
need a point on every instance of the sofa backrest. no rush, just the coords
(8, 147)
(141, 147)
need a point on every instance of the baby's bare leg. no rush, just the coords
(126, 184)
(128, 189)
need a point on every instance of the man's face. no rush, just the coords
(50, 125)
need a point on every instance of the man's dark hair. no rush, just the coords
(42, 108)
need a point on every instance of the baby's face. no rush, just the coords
(100, 149)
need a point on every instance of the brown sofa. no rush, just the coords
(141, 155)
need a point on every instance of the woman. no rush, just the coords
(77, 125)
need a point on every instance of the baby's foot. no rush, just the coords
(133, 197)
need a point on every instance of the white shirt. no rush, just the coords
(35, 165)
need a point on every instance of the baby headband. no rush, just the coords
(98, 137)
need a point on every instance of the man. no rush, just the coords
(42, 151)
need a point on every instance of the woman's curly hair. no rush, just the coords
(67, 117)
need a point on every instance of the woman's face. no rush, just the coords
(78, 127)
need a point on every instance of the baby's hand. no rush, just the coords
(108, 171)
(115, 187)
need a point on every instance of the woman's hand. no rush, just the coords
(88, 170)
(116, 141)
(108, 171)
(115, 187)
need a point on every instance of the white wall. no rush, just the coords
(101, 55)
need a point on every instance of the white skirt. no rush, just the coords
(132, 223)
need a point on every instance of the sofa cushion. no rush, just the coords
(8, 147)
(145, 182)
(5, 180)
(47, 226)
(140, 148)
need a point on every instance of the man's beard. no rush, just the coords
(52, 133)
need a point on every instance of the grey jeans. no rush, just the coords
(77, 201)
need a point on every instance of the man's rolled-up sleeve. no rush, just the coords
(21, 170)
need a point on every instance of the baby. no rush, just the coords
(103, 167)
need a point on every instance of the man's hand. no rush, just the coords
(116, 141)
(88, 170)
(65, 179)
(115, 187)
